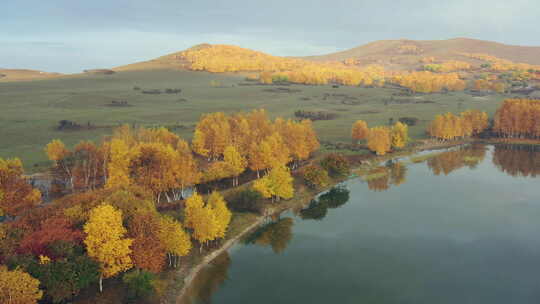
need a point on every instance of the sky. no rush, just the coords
(69, 36)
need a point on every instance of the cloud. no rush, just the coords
(86, 34)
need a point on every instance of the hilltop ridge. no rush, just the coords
(393, 55)
(402, 54)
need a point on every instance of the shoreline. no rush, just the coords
(207, 259)
(187, 273)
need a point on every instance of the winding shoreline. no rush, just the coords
(188, 273)
(194, 271)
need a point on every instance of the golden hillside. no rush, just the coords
(21, 75)
(406, 54)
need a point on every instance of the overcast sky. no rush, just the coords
(72, 35)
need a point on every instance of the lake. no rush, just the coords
(460, 227)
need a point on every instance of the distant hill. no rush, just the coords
(392, 54)
(21, 74)
(405, 54)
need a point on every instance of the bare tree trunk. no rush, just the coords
(101, 283)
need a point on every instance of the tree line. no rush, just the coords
(449, 126)
(518, 118)
(110, 224)
(381, 139)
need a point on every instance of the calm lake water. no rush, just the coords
(463, 227)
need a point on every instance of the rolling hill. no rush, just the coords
(390, 53)
(22, 75)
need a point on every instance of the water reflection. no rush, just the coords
(517, 160)
(318, 208)
(447, 162)
(382, 177)
(208, 280)
(405, 248)
(276, 235)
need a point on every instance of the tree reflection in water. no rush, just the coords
(447, 162)
(276, 235)
(518, 160)
(318, 208)
(208, 280)
(382, 177)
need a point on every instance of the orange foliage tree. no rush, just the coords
(379, 140)
(17, 194)
(428, 82)
(148, 252)
(518, 118)
(450, 126)
(359, 131)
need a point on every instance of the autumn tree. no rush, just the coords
(193, 204)
(399, 135)
(380, 140)
(258, 155)
(147, 251)
(209, 221)
(450, 126)
(18, 195)
(216, 171)
(18, 287)
(222, 213)
(175, 240)
(57, 152)
(265, 78)
(52, 229)
(518, 118)
(118, 166)
(428, 82)
(277, 184)
(299, 138)
(105, 241)
(152, 168)
(236, 163)
(272, 151)
(88, 165)
(185, 169)
(212, 135)
(359, 131)
(205, 225)
(336, 165)
(315, 176)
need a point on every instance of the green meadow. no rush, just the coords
(31, 111)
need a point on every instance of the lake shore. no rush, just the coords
(188, 271)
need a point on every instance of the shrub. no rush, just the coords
(315, 176)
(336, 165)
(409, 121)
(139, 284)
(247, 200)
(314, 115)
(152, 91)
(173, 91)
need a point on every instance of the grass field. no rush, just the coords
(30, 110)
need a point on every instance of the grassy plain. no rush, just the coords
(30, 110)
